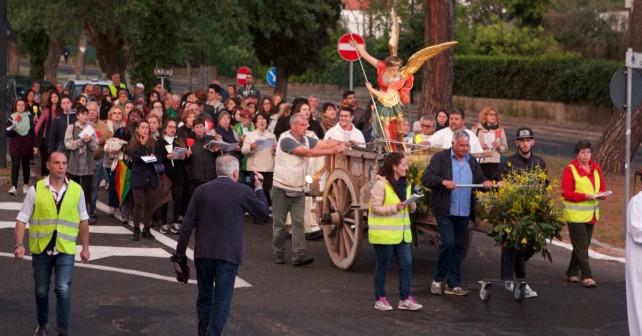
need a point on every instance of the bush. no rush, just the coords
(568, 80)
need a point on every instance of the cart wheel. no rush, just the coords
(519, 291)
(484, 291)
(342, 224)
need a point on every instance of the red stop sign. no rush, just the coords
(346, 51)
(241, 74)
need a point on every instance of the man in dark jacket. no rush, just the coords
(453, 208)
(524, 160)
(217, 212)
(56, 142)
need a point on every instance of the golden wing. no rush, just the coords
(417, 60)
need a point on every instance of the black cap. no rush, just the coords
(524, 132)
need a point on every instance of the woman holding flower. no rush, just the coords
(21, 145)
(582, 181)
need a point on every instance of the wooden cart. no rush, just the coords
(342, 209)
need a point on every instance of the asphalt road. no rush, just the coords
(128, 289)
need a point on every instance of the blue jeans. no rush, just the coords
(63, 267)
(384, 254)
(213, 303)
(453, 234)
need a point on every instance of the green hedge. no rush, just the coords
(567, 80)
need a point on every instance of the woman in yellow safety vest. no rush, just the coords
(389, 230)
(582, 181)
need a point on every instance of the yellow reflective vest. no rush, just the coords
(390, 229)
(582, 212)
(46, 219)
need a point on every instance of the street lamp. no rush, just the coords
(162, 73)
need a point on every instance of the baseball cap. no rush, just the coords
(524, 132)
(140, 85)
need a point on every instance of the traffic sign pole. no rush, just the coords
(351, 75)
(627, 135)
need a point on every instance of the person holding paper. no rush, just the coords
(80, 142)
(259, 147)
(144, 180)
(168, 148)
(582, 180)
(389, 230)
(492, 138)
(200, 160)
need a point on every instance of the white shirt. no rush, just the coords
(339, 134)
(30, 200)
(444, 137)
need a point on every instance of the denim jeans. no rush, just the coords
(453, 234)
(62, 266)
(281, 205)
(213, 302)
(404, 257)
(95, 183)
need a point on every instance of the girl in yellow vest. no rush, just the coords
(582, 180)
(389, 230)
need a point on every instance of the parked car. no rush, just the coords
(76, 86)
(17, 86)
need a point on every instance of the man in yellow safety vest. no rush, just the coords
(56, 212)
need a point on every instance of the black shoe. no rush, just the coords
(93, 215)
(314, 235)
(92, 220)
(279, 260)
(289, 236)
(148, 234)
(302, 260)
(136, 235)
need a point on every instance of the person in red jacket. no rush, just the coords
(582, 182)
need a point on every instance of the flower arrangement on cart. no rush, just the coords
(524, 213)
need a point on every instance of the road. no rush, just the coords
(128, 289)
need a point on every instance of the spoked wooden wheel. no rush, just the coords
(341, 219)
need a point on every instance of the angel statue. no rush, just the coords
(395, 82)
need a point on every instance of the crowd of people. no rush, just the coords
(161, 148)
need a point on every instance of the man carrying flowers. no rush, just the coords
(514, 260)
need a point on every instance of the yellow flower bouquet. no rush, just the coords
(416, 166)
(522, 212)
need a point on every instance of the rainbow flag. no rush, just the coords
(122, 181)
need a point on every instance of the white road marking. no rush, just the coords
(592, 254)
(239, 283)
(99, 252)
(11, 206)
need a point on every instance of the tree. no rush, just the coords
(29, 21)
(437, 82)
(609, 150)
(292, 42)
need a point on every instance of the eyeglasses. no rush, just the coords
(427, 126)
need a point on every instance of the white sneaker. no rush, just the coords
(175, 228)
(409, 304)
(435, 288)
(509, 285)
(25, 189)
(382, 304)
(164, 229)
(529, 292)
(13, 191)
